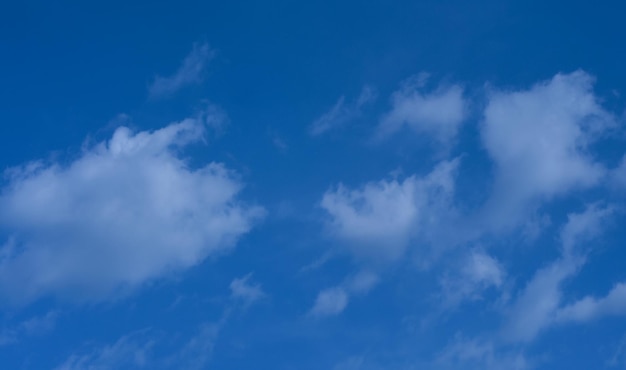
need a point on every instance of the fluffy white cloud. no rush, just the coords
(438, 113)
(190, 72)
(330, 302)
(538, 139)
(342, 113)
(381, 218)
(124, 212)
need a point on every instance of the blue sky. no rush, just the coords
(429, 185)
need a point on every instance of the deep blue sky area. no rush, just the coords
(334, 185)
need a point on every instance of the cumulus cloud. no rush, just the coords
(536, 307)
(381, 218)
(192, 71)
(125, 212)
(438, 113)
(538, 139)
(329, 302)
(342, 113)
(246, 290)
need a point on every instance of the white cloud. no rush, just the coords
(333, 301)
(438, 113)
(618, 175)
(381, 218)
(590, 308)
(147, 349)
(537, 305)
(584, 226)
(351, 363)
(329, 302)
(245, 290)
(124, 212)
(131, 351)
(482, 268)
(342, 113)
(362, 282)
(35, 326)
(479, 271)
(191, 72)
(619, 355)
(480, 354)
(538, 139)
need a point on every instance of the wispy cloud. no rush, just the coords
(192, 71)
(150, 350)
(245, 290)
(475, 354)
(330, 302)
(342, 112)
(439, 112)
(478, 272)
(33, 326)
(540, 302)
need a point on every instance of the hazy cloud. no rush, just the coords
(438, 113)
(342, 112)
(192, 71)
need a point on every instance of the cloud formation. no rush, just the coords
(342, 113)
(330, 302)
(478, 354)
(125, 212)
(539, 303)
(591, 308)
(380, 219)
(438, 113)
(147, 349)
(246, 290)
(477, 273)
(538, 139)
(192, 71)
(333, 301)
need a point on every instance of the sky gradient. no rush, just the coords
(347, 185)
